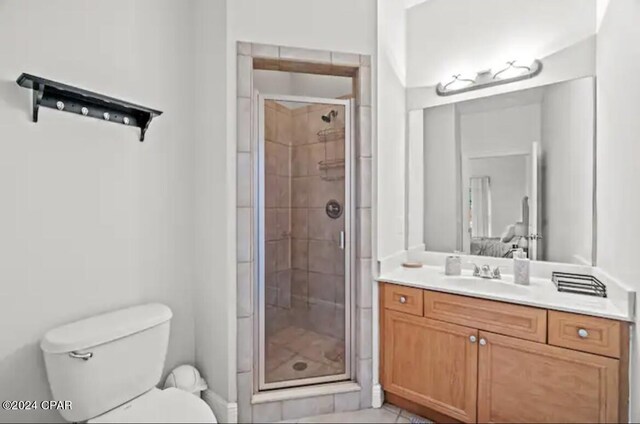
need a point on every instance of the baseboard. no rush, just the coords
(377, 396)
(225, 412)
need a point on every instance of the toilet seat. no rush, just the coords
(160, 406)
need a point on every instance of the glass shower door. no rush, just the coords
(304, 242)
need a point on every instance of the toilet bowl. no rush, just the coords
(160, 406)
(108, 366)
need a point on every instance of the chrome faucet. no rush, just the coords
(486, 272)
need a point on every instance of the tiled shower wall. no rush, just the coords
(318, 264)
(304, 265)
(278, 195)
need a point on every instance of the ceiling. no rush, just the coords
(411, 3)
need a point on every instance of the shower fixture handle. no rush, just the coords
(342, 241)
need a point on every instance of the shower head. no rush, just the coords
(329, 116)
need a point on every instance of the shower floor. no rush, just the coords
(295, 351)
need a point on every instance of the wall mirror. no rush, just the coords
(511, 171)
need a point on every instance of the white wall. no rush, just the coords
(451, 36)
(391, 123)
(576, 61)
(601, 10)
(618, 153)
(560, 33)
(297, 84)
(506, 130)
(335, 25)
(91, 219)
(567, 188)
(509, 183)
(214, 186)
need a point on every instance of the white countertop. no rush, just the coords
(541, 292)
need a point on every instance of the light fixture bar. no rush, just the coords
(490, 79)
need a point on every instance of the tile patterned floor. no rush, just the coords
(292, 346)
(386, 414)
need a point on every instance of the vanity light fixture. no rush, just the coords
(511, 71)
(459, 82)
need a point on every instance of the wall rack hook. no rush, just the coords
(50, 94)
(38, 93)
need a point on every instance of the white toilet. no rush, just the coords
(108, 367)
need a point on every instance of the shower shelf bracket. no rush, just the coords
(330, 163)
(67, 98)
(330, 134)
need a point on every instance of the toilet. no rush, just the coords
(108, 366)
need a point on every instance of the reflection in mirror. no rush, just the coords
(498, 224)
(512, 172)
(480, 206)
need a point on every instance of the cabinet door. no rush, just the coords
(522, 381)
(431, 363)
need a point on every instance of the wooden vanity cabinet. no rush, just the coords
(526, 382)
(471, 373)
(432, 363)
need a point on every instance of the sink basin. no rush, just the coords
(485, 285)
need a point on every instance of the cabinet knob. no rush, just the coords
(472, 339)
(403, 299)
(483, 342)
(582, 333)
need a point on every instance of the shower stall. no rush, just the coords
(304, 239)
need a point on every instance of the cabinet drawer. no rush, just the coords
(581, 332)
(503, 318)
(403, 299)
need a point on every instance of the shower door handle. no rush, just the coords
(342, 240)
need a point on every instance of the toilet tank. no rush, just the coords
(104, 361)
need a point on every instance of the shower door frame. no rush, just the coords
(349, 250)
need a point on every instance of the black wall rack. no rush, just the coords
(66, 98)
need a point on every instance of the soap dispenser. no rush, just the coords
(520, 268)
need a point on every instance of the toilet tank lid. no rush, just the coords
(104, 328)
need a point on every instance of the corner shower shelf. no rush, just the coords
(323, 165)
(331, 134)
(63, 97)
(326, 166)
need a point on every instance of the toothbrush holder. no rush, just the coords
(453, 265)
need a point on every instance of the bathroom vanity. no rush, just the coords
(496, 178)
(455, 357)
